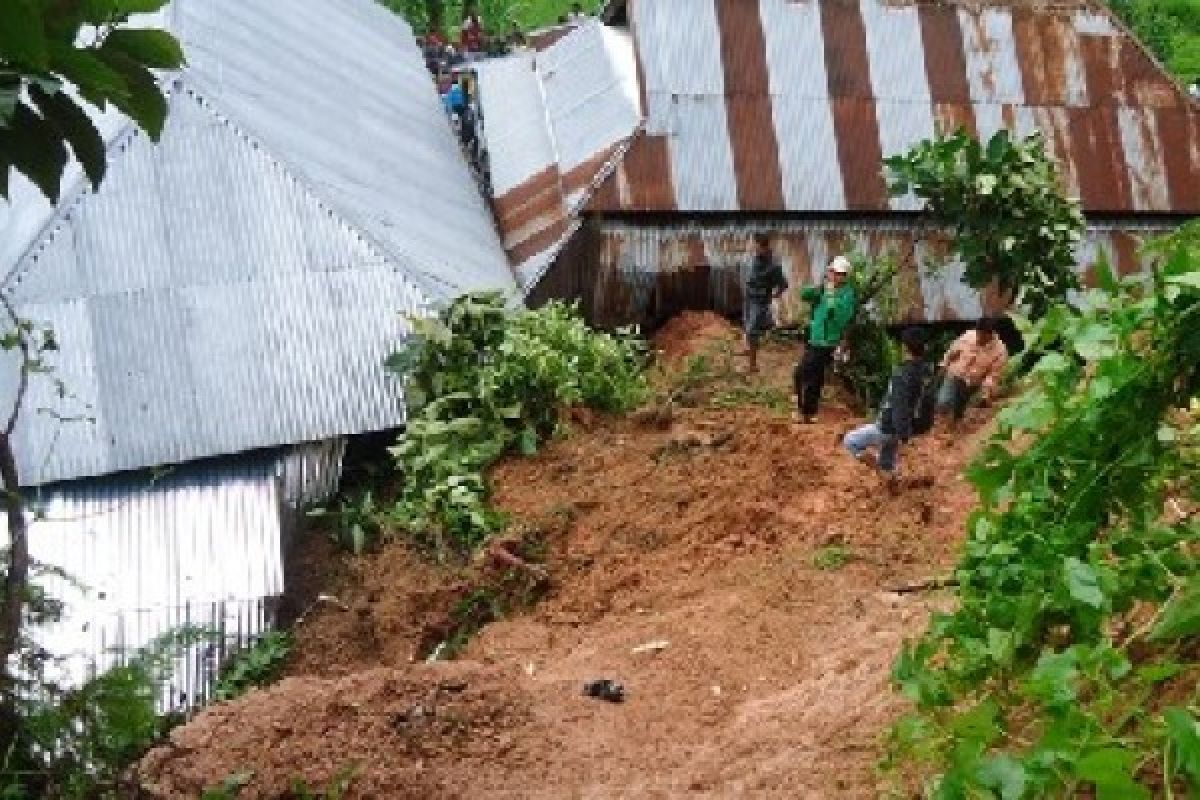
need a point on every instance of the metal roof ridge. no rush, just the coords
(426, 282)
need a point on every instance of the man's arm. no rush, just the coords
(995, 371)
(954, 353)
(781, 283)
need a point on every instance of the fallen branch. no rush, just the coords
(502, 556)
(931, 585)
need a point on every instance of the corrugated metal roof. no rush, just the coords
(777, 105)
(204, 302)
(199, 545)
(649, 271)
(552, 123)
(340, 94)
(238, 285)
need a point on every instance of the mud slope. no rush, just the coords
(766, 676)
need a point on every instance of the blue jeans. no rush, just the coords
(860, 440)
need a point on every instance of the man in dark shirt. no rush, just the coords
(896, 415)
(763, 283)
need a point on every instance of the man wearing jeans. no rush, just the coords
(833, 305)
(896, 415)
(974, 362)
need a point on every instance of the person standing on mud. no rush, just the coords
(833, 306)
(763, 284)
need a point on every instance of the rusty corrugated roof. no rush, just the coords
(791, 105)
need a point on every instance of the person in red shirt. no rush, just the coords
(471, 38)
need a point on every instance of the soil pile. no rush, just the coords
(691, 333)
(730, 569)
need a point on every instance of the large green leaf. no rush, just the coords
(1183, 736)
(22, 35)
(151, 48)
(1003, 775)
(1110, 770)
(1083, 583)
(1181, 616)
(61, 111)
(97, 82)
(145, 103)
(36, 149)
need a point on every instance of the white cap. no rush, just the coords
(840, 264)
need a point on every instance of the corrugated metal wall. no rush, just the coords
(792, 105)
(144, 554)
(626, 272)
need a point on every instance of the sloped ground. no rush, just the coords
(767, 678)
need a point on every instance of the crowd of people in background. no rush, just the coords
(918, 394)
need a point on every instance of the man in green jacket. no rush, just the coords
(833, 305)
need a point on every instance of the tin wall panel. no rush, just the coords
(1143, 159)
(903, 100)
(804, 129)
(749, 107)
(847, 64)
(993, 68)
(647, 272)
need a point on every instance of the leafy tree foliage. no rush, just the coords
(58, 56)
(1070, 665)
(1170, 28)
(498, 15)
(1012, 226)
(483, 380)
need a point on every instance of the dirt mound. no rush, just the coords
(755, 558)
(692, 332)
(374, 728)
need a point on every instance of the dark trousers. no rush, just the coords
(809, 378)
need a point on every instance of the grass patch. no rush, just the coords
(831, 558)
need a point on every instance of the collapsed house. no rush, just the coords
(222, 307)
(777, 115)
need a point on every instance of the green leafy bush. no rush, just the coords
(871, 352)
(483, 380)
(258, 665)
(75, 743)
(1011, 224)
(1071, 661)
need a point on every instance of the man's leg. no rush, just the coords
(858, 441)
(816, 362)
(962, 398)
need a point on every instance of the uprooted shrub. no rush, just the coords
(483, 380)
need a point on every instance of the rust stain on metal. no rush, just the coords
(846, 60)
(945, 59)
(988, 77)
(1008, 112)
(1144, 84)
(1043, 42)
(512, 206)
(1055, 127)
(860, 154)
(1099, 160)
(748, 107)
(542, 239)
(1027, 36)
(607, 197)
(1183, 183)
(647, 168)
(952, 116)
(1125, 253)
(581, 176)
(792, 251)
(1097, 54)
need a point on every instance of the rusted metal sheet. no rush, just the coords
(643, 273)
(766, 104)
(748, 107)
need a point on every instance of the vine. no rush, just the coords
(1071, 660)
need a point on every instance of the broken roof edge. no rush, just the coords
(577, 210)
